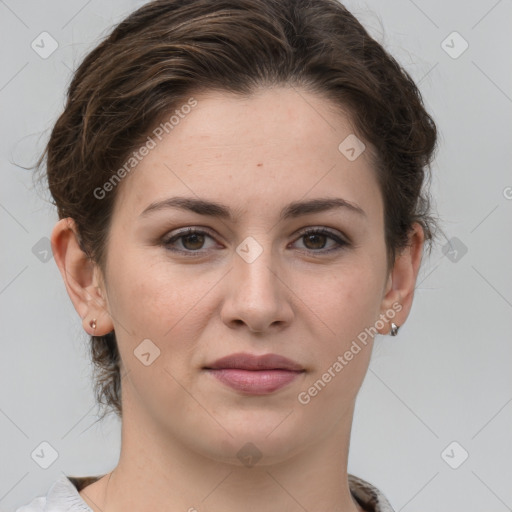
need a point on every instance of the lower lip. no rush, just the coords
(255, 382)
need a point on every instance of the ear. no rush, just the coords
(82, 278)
(400, 286)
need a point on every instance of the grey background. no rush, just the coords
(445, 378)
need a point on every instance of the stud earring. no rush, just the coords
(394, 329)
(92, 323)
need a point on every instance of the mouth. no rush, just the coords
(255, 375)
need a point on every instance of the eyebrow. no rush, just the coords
(292, 210)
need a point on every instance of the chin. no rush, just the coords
(257, 438)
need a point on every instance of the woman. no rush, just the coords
(240, 187)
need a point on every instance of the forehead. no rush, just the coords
(274, 147)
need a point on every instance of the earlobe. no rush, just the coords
(400, 286)
(80, 275)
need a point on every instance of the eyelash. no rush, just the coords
(167, 242)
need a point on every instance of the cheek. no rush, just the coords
(347, 307)
(157, 300)
(153, 301)
(344, 300)
(346, 304)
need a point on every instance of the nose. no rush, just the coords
(257, 295)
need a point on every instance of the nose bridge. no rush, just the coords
(253, 263)
(256, 295)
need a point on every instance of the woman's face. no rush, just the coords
(252, 283)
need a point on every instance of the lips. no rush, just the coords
(250, 362)
(255, 375)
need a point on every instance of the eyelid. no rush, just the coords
(183, 232)
(324, 230)
(341, 241)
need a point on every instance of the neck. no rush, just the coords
(158, 472)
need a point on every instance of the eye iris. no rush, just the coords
(313, 237)
(196, 238)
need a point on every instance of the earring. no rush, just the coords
(394, 329)
(92, 323)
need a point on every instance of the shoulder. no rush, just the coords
(368, 496)
(62, 496)
(36, 505)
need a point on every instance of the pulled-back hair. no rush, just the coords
(168, 50)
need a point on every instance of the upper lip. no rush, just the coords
(244, 361)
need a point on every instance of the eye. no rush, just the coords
(315, 240)
(191, 240)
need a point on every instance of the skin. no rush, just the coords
(181, 427)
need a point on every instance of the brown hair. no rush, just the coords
(169, 49)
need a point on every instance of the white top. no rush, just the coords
(63, 496)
